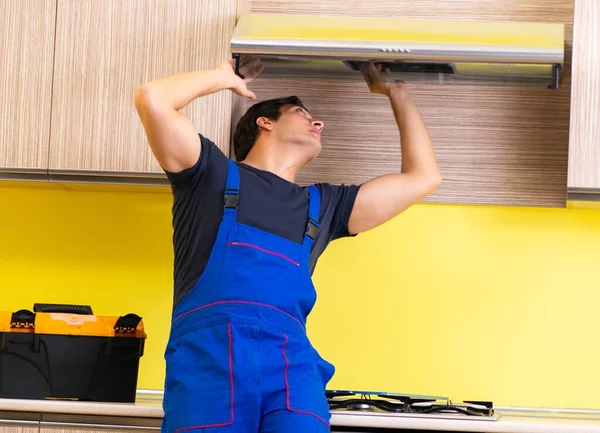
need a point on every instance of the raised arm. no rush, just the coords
(172, 136)
(382, 198)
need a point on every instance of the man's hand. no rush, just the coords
(380, 80)
(250, 68)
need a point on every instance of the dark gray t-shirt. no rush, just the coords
(266, 201)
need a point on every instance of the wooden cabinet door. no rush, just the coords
(26, 50)
(584, 139)
(104, 51)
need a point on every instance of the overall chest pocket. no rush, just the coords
(260, 266)
(260, 249)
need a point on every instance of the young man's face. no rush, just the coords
(295, 125)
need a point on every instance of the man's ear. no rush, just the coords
(264, 123)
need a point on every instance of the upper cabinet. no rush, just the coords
(584, 142)
(104, 51)
(26, 50)
(498, 145)
(70, 69)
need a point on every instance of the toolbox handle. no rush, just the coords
(127, 324)
(22, 319)
(63, 308)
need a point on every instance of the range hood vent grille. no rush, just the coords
(408, 67)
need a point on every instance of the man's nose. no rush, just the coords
(318, 124)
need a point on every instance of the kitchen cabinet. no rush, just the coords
(584, 139)
(496, 145)
(26, 49)
(104, 51)
(71, 68)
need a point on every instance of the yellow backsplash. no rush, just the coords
(471, 302)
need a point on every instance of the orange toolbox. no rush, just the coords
(62, 351)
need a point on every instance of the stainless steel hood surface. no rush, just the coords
(477, 49)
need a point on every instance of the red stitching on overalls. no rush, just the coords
(237, 302)
(274, 253)
(287, 387)
(232, 391)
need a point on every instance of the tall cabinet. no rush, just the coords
(104, 51)
(27, 51)
(584, 137)
(70, 69)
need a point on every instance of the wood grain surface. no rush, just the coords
(26, 50)
(105, 50)
(584, 142)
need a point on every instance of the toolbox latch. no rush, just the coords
(22, 319)
(127, 324)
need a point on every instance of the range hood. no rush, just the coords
(436, 50)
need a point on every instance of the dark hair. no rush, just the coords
(246, 131)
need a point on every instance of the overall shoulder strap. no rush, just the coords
(232, 192)
(314, 210)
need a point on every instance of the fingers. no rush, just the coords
(250, 67)
(243, 91)
(248, 64)
(244, 60)
(367, 68)
(369, 72)
(364, 71)
(365, 74)
(251, 74)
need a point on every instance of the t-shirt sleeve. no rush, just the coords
(337, 202)
(190, 177)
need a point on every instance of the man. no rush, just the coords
(246, 241)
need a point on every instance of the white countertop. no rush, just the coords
(507, 420)
(147, 407)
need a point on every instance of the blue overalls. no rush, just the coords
(238, 358)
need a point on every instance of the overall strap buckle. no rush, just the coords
(231, 199)
(314, 210)
(312, 227)
(232, 191)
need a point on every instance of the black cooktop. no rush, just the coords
(373, 401)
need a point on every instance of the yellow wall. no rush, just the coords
(465, 301)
